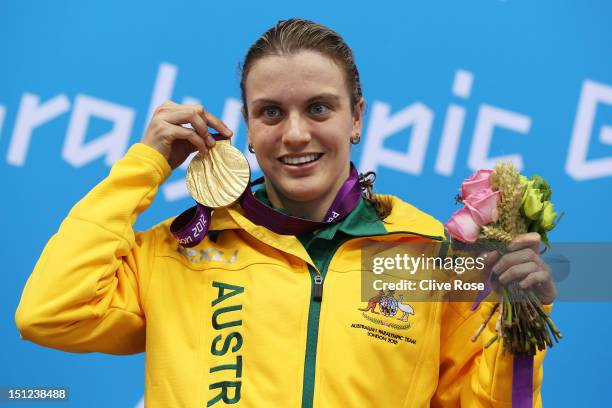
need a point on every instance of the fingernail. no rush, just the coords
(228, 132)
(496, 268)
(210, 142)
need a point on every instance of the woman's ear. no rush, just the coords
(358, 116)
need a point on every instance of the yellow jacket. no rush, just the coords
(232, 320)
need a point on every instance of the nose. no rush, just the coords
(296, 133)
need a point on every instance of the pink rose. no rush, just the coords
(483, 206)
(480, 180)
(462, 227)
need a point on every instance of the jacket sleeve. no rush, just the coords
(470, 375)
(86, 291)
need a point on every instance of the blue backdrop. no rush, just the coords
(450, 86)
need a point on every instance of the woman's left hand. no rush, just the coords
(522, 262)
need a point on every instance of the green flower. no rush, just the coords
(532, 203)
(537, 193)
(548, 216)
(541, 184)
(536, 206)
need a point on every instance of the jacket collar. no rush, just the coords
(404, 219)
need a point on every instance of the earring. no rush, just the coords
(355, 140)
(251, 148)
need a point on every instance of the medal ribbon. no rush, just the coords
(522, 366)
(522, 381)
(192, 225)
(347, 198)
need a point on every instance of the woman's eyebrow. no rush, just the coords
(328, 96)
(265, 100)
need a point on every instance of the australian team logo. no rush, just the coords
(389, 306)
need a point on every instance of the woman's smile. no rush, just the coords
(300, 164)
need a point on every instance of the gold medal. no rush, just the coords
(219, 178)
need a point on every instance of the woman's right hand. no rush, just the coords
(175, 142)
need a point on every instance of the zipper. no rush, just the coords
(317, 293)
(312, 335)
(314, 312)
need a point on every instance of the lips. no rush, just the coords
(295, 160)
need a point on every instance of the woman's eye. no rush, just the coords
(319, 108)
(271, 112)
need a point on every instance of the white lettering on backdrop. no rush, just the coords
(2, 114)
(416, 119)
(453, 124)
(112, 144)
(489, 118)
(577, 165)
(32, 114)
(382, 125)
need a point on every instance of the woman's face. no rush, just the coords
(300, 124)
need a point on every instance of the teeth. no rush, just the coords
(300, 160)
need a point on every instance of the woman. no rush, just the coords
(240, 318)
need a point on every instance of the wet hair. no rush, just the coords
(291, 36)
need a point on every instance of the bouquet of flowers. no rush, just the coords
(500, 204)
